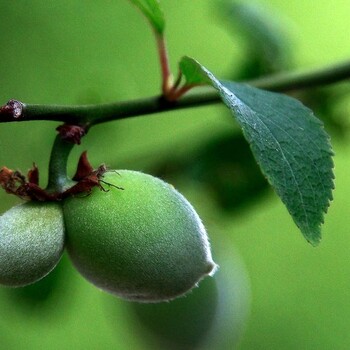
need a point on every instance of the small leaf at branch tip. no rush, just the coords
(193, 72)
(152, 11)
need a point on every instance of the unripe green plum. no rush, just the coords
(142, 241)
(31, 242)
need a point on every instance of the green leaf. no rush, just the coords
(290, 145)
(151, 9)
(193, 73)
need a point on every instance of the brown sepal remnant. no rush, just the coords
(14, 182)
(84, 168)
(87, 178)
(11, 111)
(33, 175)
(10, 180)
(71, 133)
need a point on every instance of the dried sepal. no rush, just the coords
(27, 188)
(71, 133)
(84, 168)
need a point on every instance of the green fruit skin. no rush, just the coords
(144, 242)
(31, 242)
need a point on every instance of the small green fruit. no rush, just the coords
(31, 242)
(144, 242)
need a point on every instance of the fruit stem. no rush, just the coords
(58, 178)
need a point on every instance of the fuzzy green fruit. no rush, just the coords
(31, 242)
(144, 242)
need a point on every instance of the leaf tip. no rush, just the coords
(313, 236)
(152, 10)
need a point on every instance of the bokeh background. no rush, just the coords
(273, 290)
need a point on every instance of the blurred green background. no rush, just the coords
(273, 291)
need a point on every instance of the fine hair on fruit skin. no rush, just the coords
(32, 241)
(144, 243)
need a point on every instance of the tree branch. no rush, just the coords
(304, 80)
(89, 115)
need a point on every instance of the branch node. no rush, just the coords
(71, 133)
(12, 111)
